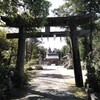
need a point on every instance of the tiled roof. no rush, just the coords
(52, 56)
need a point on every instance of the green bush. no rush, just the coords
(38, 67)
(98, 78)
(6, 83)
(32, 62)
(20, 81)
(94, 79)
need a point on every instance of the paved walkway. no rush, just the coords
(50, 84)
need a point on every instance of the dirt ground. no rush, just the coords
(52, 83)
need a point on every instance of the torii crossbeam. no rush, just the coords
(51, 34)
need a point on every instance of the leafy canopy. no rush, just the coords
(76, 7)
(24, 8)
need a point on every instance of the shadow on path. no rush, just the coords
(55, 76)
(31, 94)
(48, 85)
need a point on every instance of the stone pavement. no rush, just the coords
(50, 84)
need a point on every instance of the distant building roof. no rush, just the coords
(52, 56)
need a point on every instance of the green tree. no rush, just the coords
(31, 45)
(96, 48)
(65, 50)
(7, 48)
(35, 8)
(77, 7)
(4, 45)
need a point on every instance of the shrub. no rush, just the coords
(94, 79)
(30, 68)
(19, 81)
(38, 67)
(6, 84)
(32, 62)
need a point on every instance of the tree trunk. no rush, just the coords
(31, 52)
(9, 61)
(26, 51)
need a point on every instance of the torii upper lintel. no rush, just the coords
(50, 21)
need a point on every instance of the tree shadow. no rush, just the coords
(45, 69)
(29, 93)
(55, 76)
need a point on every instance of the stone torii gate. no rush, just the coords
(71, 21)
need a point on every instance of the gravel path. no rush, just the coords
(50, 84)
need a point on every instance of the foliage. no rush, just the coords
(4, 46)
(34, 8)
(30, 44)
(94, 70)
(33, 49)
(96, 60)
(79, 93)
(65, 50)
(3, 42)
(7, 48)
(39, 51)
(38, 67)
(16, 79)
(25, 11)
(77, 7)
(96, 50)
(6, 82)
(98, 76)
(83, 48)
(32, 62)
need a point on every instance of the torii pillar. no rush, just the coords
(20, 56)
(76, 56)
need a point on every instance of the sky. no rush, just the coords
(56, 3)
(54, 42)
